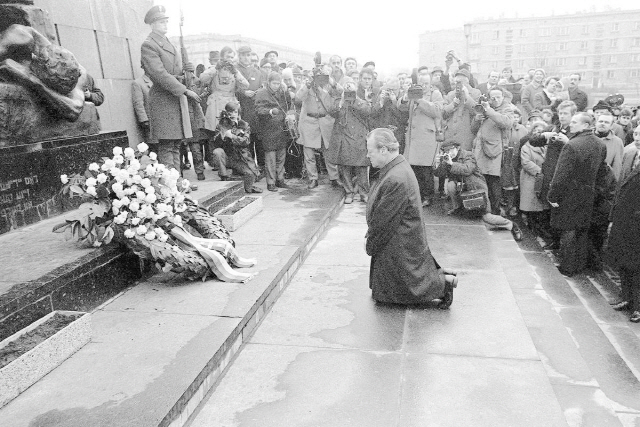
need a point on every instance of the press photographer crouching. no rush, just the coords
(466, 187)
(231, 142)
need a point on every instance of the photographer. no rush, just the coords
(319, 98)
(273, 103)
(458, 111)
(420, 141)
(493, 120)
(348, 147)
(231, 142)
(460, 169)
(222, 83)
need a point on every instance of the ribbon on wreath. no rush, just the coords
(215, 252)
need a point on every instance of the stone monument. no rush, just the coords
(46, 127)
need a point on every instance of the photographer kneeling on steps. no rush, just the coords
(466, 187)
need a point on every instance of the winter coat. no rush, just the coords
(349, 137)
(247, 104)
(574, 181)
(236, 147)
(420, 141)
(163, 64)
(551, 157)
(615, 151)
(580, 98)
(624, 239)
(272, 128)
(316, 123)
(220, 94)
(140, 88)
(509, 178)
(528, 93)
(531, 159)
(402, 269)
(458, 119)
(492, 136)
(464, 170)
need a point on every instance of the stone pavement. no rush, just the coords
(159, 346)
(521, 345)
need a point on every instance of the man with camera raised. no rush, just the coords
(493, 120)
(459, 111)
(425, 112)
(319, 97)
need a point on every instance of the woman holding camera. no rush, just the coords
(348, 147)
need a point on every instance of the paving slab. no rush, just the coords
(306, 386)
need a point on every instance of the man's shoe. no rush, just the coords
(281, 184)
(272, 187)
(255, 189)
(364, 198)
(426, 202)
(551, 246)
(186, 166)
(516, 232)
(450, 282)
(312, 184)
(335, 183)
(620, 305)
(200, 177)
(193, 187)
(635, 317)
(348, 199)
(225, 178)
(454, 211)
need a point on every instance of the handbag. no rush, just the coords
(537, 185)
(473, 199)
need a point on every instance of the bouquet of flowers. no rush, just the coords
(134, 200)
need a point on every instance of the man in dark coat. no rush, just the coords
(577, 95)
(572, 192)
(403, 270)
(247, 98)
(168, 97)
(624, 240)
(273, 103)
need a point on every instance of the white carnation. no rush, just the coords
(150, 235)
(125, 201)
(151, 198)
(117, 151)
(142, 147)
(140, 194)
(117, 204)
(146, 182)
(129, 233)
(163, 238)
(92, 191)
(115, 210)
(102, 178)
(94, 167)
(177, 220)
(135, 221)
(118, 159)
(137, 179)
(153, 156)
(134, 206)
(91, 182)
(129, 152)
(64, 178)
(141, 229)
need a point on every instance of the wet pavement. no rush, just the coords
(521, 345)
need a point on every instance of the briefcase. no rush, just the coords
(474, 200)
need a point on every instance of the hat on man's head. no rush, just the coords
(463, 72)
(366, 64)
(244, 49)
(214, 54)
(274, 76)
(534, 114)
(264, 61)
(464, 66)
(601, 105)
(271, 51)
(449, 143)
(154, 14)
(437, 69)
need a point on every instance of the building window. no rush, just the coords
(582, 61)
(521, 64)
(523, 33)
(561, 61)
(611, 74)
(522, 48)
(637, 27)
(585, 29)
(496, 34)
(635, 57)
(584, 44)
(494, 65)
(475, 37)
(545, 32)
(613, 43)
(615, 26)
(544, 47)
(544, 62)
(613, 59)
(634, 73)
(562, 46)
(564, 31)
(636, 42)
(495, 50)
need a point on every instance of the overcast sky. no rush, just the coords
(386, 33)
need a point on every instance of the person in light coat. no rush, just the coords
(537, 211)
(319, 101)
(421, 146)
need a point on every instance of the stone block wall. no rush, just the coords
(105, 36)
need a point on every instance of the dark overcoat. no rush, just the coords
(551, 156)
(624, 240)
(163, 64)
(247, 104)
(272, 128)
(573, 184)
(349, 136)
(403, 270)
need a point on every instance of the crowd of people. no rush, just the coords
(532, 150)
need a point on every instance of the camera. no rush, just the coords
(350, 95)
(319, 78)
(415, 91)
(459, 91)
(451, 56)
(479, 108)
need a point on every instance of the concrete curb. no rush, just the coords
(187, 404)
